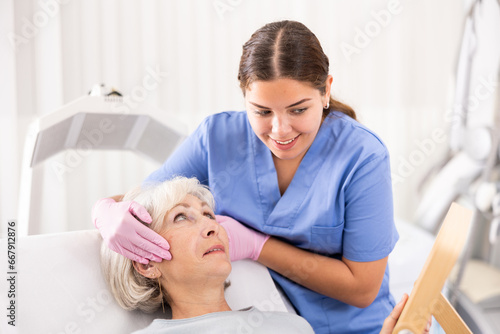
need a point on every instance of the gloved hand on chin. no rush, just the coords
(244, 242)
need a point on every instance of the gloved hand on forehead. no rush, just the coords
(124, 234)
(244, 242)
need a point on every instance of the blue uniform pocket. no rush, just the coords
(327, 239)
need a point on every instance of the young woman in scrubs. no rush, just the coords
(295, 166)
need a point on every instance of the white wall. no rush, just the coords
(399, 79)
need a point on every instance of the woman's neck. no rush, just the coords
(285, 170)
(189, 302)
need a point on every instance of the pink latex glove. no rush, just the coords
(124, 234)
(244, 243)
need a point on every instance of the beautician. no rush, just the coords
(295, 166)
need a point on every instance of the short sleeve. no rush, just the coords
(189, 159)
(369, 230)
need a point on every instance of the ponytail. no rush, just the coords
(339, 106)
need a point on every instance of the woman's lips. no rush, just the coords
(215, 249)
(285, 144)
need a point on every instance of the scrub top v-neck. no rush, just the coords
(275, 205)
(339, 202)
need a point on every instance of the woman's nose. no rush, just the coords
(281, 125)
(211, 227)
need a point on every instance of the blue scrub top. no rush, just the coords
(339, 202)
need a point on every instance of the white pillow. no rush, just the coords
(60, 288)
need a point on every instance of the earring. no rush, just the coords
(161, 295)
(327, 105)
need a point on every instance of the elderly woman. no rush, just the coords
(192, 284)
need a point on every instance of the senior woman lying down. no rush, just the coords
(192, 284)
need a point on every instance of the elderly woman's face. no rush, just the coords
(198, 244)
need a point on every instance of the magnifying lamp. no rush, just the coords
(98, 121)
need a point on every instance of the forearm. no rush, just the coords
(339, 279)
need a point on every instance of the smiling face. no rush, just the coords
(198, 244)
(286, 115)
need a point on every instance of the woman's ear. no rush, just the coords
(328, 88)
(147, 270)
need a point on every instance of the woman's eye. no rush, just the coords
(262, 112)
(209, 215)
(299, 111)
(180, 217)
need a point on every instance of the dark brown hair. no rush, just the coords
(287, 49)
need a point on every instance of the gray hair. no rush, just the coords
(130, 289)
